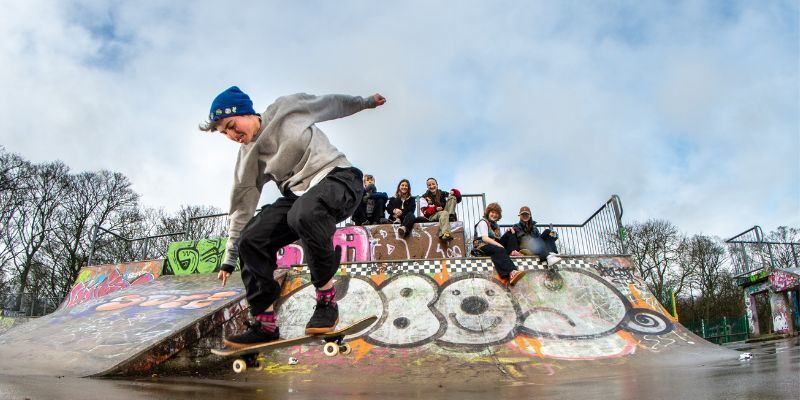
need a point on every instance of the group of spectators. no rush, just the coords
(436, 205)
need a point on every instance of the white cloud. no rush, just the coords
(688, 112)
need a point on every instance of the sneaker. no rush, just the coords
(514, 277)
(324, 319)
(254, 334)
(553, 259)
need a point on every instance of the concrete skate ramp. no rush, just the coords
(127, 331)
(455, 316)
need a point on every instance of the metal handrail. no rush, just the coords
(752, 257)
(593, 236)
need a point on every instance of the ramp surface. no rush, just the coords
(128, 330)
(436, 318)
(454, 316)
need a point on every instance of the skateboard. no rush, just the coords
(251, 356)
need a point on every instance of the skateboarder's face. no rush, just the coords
(240, 128)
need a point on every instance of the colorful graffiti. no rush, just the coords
(358, 244)
(783, 280)
(203, 256)
(423, 243)
(597, 313)
(186, 302)
(136, 329)
(781, 313)
(98, 281)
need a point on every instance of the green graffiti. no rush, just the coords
(203, 256)
(84, 276)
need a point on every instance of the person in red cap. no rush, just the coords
(531, 242)
(319, 188)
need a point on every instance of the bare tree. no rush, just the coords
(14, 178)
(656, 247)
(92, 198)
(708, 258)
(785, 250)
(31, 223)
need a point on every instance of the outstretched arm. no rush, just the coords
(333, 106)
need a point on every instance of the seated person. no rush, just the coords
(531, 242)
(373, 205)
(402, 208)
(437, 205)
(488, 242)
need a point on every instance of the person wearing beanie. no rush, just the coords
(372, 209)
(531, 242)
(319, 188)
(489, 242)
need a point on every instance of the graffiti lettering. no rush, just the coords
(94, 282)
(186, 302)
(196, 256)
(472, 312)
(617, 275)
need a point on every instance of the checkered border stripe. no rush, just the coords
(454, 266)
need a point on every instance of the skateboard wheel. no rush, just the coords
(239, 366)
(345, 349)
(330, 349)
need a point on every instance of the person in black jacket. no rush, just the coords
(401, 208)
(531, 242)
(371, 210)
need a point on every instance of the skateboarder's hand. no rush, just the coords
(223, 276)
(379, 100)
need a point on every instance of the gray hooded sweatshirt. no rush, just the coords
(288, 149)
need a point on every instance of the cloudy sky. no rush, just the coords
(689, 111)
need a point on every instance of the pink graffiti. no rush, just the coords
(102, 285)
(354, 241)
(290, 255)
(168, 301)
(782, 281)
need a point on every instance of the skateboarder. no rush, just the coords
(319, 188)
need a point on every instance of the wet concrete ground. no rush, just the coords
(773, 373)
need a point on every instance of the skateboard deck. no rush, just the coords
(334, 344)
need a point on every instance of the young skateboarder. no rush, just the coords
(319, 188)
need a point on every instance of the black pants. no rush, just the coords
(541, 245)
(409, 220)
(500, 255)
(360, 216)
(312, 218)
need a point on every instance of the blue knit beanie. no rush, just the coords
(229, 103)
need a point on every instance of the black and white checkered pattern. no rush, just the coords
(454, 266)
